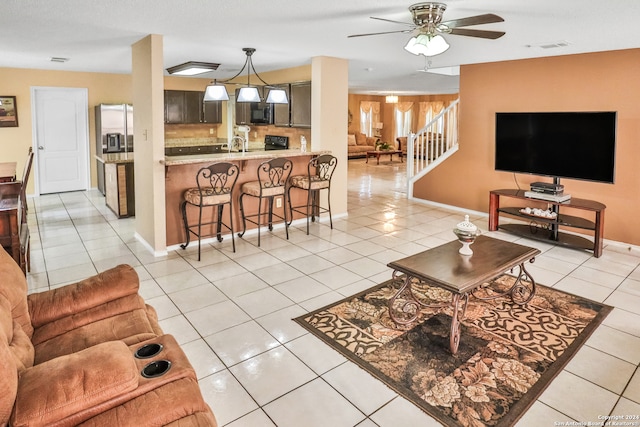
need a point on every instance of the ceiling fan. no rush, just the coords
(428, 25)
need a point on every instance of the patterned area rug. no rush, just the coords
(508, 353)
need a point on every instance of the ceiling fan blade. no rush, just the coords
(488, 18)
(477, 33)
(392, 21)
(377, 34)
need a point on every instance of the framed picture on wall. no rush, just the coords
(8, 112)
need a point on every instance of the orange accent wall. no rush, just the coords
(605, 81)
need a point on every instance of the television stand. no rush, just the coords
(548, 229)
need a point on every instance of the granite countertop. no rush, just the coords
(115, 157)
(193, 142)
(225, 156)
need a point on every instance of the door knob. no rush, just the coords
(40, 147)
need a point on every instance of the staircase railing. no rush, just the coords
(432, 145)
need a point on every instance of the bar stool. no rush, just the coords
(319, 172)
(215, 185)
(272, 181)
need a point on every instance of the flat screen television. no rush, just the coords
(576, 145)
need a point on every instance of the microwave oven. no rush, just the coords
(261, 113)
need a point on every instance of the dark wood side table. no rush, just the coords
(445, 268)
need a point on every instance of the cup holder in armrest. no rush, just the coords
(156, 369)
(148, 350)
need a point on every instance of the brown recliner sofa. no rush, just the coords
(90, 354)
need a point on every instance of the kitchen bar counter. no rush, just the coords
(115, 157)
(181, 174)
(235, 156)
(118, 182)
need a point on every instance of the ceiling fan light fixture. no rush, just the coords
(427, 45)
(216, 92)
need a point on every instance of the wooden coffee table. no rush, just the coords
(377, 153)
(445, 268)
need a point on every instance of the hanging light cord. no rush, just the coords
(248, 64)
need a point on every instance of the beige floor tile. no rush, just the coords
(601, 369)
(359, 387)
(315, 354)
(587, 399)
(272, 374)
(315, 404)
(241, 342)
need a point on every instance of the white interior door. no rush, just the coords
(61, 139)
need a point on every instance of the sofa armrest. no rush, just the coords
(117, 282)
(54, 391)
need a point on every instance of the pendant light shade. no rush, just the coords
(216, 92)
(248, 94)
(277, 96)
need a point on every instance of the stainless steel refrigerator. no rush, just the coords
(114, 133)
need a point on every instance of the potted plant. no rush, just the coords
(382, 146)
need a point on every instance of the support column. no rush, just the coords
(148, 130)
(329, 121)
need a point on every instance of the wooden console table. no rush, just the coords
(548, 229)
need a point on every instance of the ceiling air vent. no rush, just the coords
(550, 45)
(58, 59)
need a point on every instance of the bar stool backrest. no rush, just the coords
(324, 166)
(217, 179)
(274, 173)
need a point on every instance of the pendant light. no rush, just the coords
(218, 92)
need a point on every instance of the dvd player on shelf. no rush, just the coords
(547, 188)
(558, 198)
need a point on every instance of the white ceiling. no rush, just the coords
(97, 35)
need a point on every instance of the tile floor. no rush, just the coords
(232, 311)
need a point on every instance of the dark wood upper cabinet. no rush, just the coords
(243, 111)
(300, 102)
(173, 106)
(212, 111)
(187, 107)
(282, 111)
(192, 107)
(298, 112)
